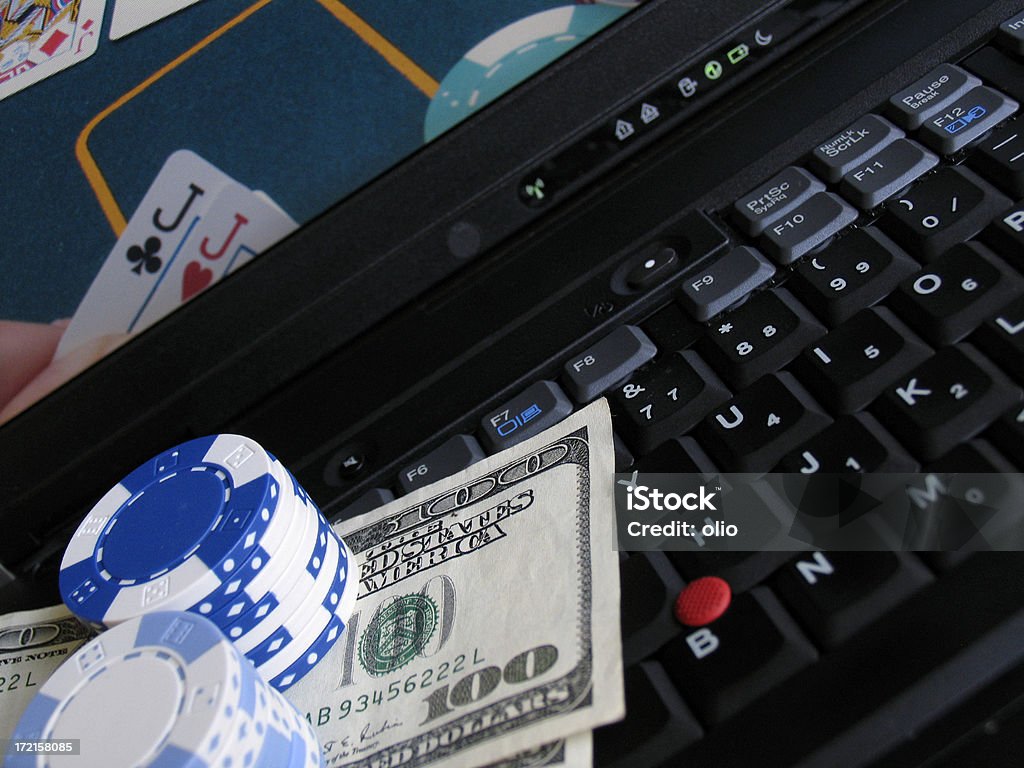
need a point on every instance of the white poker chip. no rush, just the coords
(173, 533)
(160, 690)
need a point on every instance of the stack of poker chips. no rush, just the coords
(166, 689)
(217, 527)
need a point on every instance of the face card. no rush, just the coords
(40, 39)
(237, 226)
(133, 15)
(162, 225)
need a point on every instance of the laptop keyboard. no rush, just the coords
(862, 311)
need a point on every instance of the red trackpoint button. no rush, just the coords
(702, 601)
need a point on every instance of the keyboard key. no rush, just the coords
(836, 594)
(723, 667)
(807, 226)
(871, 183)
(1006, 235)
(843, 152)
(671, 330)
(657, 724)
(1007, 434)
(720, 284)
(601, 366)
(743, 570)
(536, 408)
(453, 455)
(975, 457)
(665, 400)
(949, 207)
(947, 399)
(1000, 70)
(680, 455)
(369, 501)
(955, 293)
(977, 112)
(856, 271)
(648, 621)
(1011, 34)
(851, 366)
(751, 432)
(1000, 157)
(943, 85)
(624, 459)
(774, 199)
(1001, 338)
(760, 337)
(853, 444)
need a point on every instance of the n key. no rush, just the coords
(947, 399)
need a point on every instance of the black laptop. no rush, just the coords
(791, 235)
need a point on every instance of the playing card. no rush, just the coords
(40, 39)
(132, 15)
(237, 226)
(162, 225)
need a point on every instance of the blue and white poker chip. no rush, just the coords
(509, 56)
(172, 533)
(282, 674)
(160, 690)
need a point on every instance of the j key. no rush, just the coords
(807, 226)
(723, 667)
(1001, 337)
(853, 444)
(1000, 157)
(658, 723)
(760, 337)
(872, 182)
(955, 293)
(717, 286)
(947, 399)
(453, 455)
(865, 138)
(851, 366)
(1006, 235)
(677, 456)
(1008, 435)
(665, 400)
(856, 271)
(774, 199)
(949, 207)
(1002, 71)
(1011, 34)
(533, 410)
(751, 432)
(651, 584)
(607, 362)
(977, 112)
(926, 96)
(671, 330)
(836, 594)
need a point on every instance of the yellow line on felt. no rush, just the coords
(85, 159)
(406, 66)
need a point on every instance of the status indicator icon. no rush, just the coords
(738, 54)
(712, 70)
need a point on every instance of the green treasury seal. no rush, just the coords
(397, 633)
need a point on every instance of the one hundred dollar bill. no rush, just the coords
(32, 645)
(487, 623)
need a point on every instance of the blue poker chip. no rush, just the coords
(509, 56)
(165, 688)
(173, 533)
(286, 669)
(267, 565)
(305, 607)
(256, 624)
